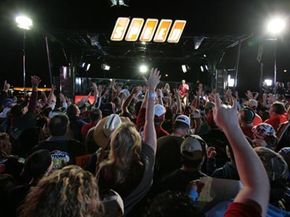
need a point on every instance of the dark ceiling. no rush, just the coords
(72, 26)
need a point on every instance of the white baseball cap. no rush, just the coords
(184, 119)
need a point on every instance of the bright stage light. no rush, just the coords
(268, 82)
(88, 67)
(106, 67)
(24, 22)
(166, 75)
(231, 81)
(201, 68)
(143, 69)
(276, 25)
(184, 68)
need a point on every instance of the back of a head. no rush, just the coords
(58, 125)
(247, 115)
(278, 107)
(113, 204)
(125, 143)
(72, 111)
(182, 122)
(173, 204)
(37, 164)
(275, 166)
(193, 151)
(95, 114)
(70, 191)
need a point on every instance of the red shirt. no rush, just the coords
(183, 89)
(86, 128)
(257, 120)
(161, 132)
(276, 119)
(141, 118)
(248, 132)
(248, 209)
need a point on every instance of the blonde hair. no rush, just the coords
(125, 148)
(70, 191)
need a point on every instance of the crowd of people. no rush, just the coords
(143, 151)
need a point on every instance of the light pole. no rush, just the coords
(25, 23)
(275, 27)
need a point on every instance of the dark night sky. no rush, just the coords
(203, 17)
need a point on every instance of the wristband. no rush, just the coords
(152, 95)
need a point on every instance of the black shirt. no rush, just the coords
(167, 156)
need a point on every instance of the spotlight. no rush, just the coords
(166, 75)
(143, 69)
(197, 42)
(184, 68)
(106, 67)
(88, 67)
(206, 67)
(204, 55)
(201, 68)
(119, 3)
(285, 70)
(24, 22)
(276, 25)
(268, 82)
(231, 81)
(83, 65)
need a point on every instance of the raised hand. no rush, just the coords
(225, 116)
(211, 152)
(6, 86)
(62, 97)
(35, 81)
(154, 79)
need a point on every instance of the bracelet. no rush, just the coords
(152, 95)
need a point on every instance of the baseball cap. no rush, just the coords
(262, 130)
(252, 103)
(193, 148)
(159, 110)
(183, 119)
(275, 165)
(126, 92)
(113, 204)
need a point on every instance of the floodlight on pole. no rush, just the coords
(276, 25)
(25, 23)
(143, 69)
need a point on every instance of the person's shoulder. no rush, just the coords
(249, 208)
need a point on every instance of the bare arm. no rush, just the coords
(35, 81)
(251, 170)
(149, 128)
(160, 96)
(178, 100)
(127, 102)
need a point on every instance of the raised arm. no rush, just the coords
(149, 129)
(129, 99)
(35, 81)
(251, 170)
(178, 100)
